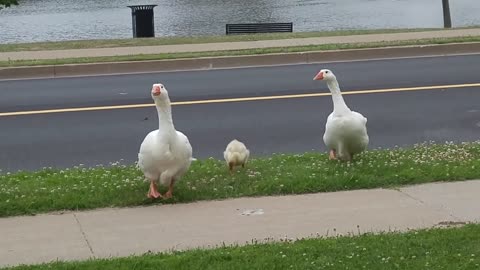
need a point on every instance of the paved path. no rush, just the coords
(235, 45)
(122, 232)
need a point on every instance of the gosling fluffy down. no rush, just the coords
(236, 154)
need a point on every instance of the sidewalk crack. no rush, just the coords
(84, 235)
(436, 207)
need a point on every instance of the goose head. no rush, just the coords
(324, 75)
(160, 94)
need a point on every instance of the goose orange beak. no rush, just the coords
(156, 91)
(318, 77)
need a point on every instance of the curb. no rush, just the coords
(206, 63)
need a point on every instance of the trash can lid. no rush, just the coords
(142, 7)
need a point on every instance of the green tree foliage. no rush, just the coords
(7, 3)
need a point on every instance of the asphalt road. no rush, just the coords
(30, 142)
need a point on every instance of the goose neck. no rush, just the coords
(165, 122)
(339, 105)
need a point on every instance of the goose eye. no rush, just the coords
(326, 72)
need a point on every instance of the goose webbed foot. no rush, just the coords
(153, 192)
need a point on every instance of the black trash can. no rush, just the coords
(142, 21)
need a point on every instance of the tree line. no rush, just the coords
(7, 3)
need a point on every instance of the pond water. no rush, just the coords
(52, 20)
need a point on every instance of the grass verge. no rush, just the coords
(121, 185)
(454, 248)
(110, 43)
(166, 56)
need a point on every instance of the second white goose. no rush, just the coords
(345, 130)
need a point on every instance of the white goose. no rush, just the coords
(345, 130)
(165, 154)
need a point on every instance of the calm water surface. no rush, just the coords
(51, 20)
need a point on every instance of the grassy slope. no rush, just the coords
(109, 43)
(119, 185)
(447, 249)
(165, 56)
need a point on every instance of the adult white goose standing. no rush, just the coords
(165, 154)
(345, 130)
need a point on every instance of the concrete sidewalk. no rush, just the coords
(57, 54)
(122, 232)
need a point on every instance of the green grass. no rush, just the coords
(109, 43)
(166, 56)
(453, 248)
(120, 185)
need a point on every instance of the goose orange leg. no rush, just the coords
(333, 154)
(153, 192)
(230, 166)
(169, 193)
